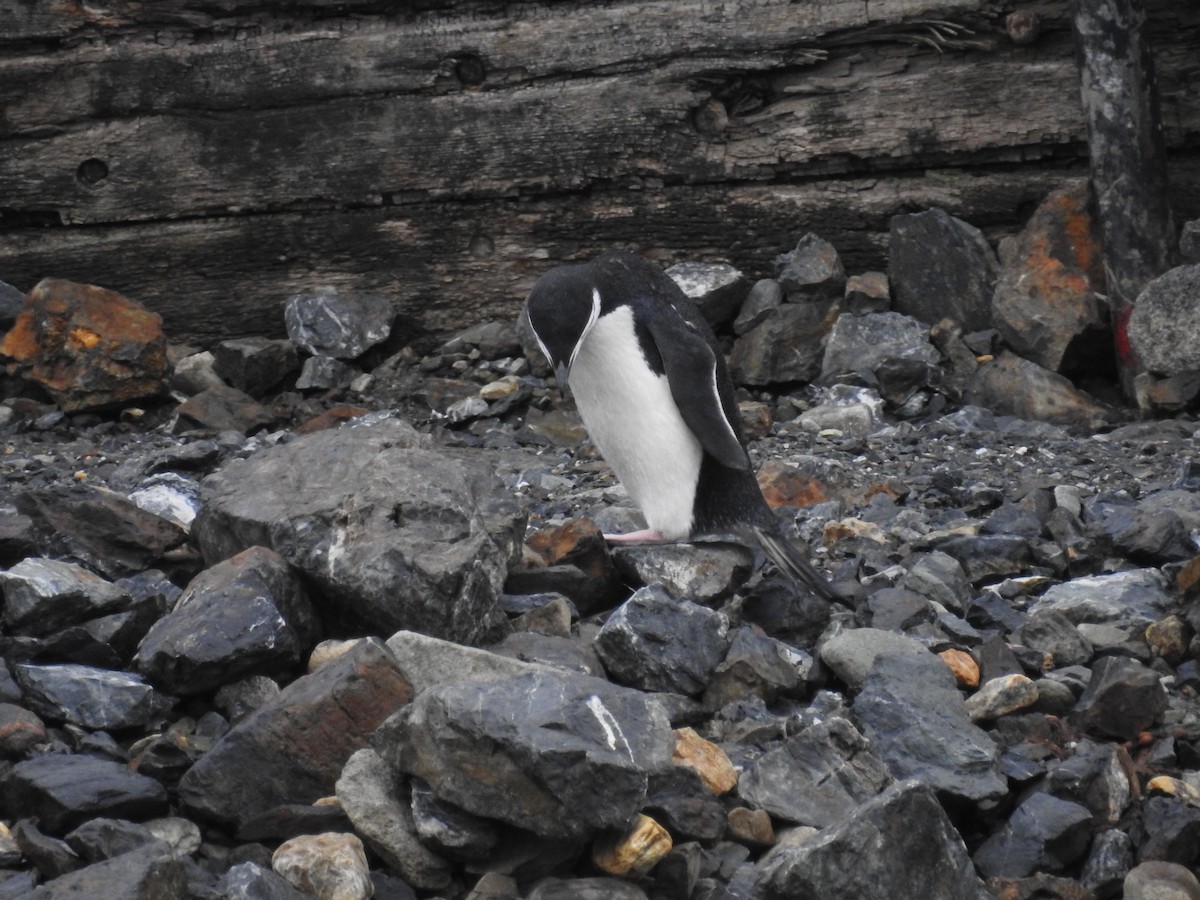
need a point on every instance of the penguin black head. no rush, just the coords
(563, 306)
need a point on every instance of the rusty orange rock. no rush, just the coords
(89, 347)
(783, 484)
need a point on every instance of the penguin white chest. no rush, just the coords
(634, 421)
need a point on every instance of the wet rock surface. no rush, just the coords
(352, 629)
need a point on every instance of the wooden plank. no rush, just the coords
(450, 264)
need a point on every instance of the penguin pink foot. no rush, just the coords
(645, 536)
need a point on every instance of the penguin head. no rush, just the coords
(563, 306)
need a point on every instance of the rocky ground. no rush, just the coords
(334, 617)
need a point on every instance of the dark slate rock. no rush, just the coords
(20, 729)
(394, 535)
(679, 800)
(63, 791)
(52, 857)
(896, 609)
(224, 408)
(250, 881)
(764, 298)
(786, 347)
(989, 557)
(1161, 880)
(105, 838)
(343, 326)
(1170, 830)
(101, 529)
(862, 344)
(656, 643)
(774, 605)
(45, 595)
(1189, 242)
(1094, 777)
(917, 723)
(1013, 386)
(899, 844)
(811, 271)
(718, 289)
(493, 340)
(255, 364)
(12, 301)
(1108, 862)
(320, 373)
(548, 650)
(1122, 699)
(451, 831)
(756, 666)
(941, 267)
(1044, 833)
(244, 616)
(292, 749)
(705, 572)
(1050, 631)
(134, 875)
(940, 577)
(95, 699)
(819, 777)
(1162, 326)
(585, 889)
(107, 642)
(566, 755)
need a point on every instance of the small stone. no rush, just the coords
(1169, 638)
(811, 271)
(1001, 696)
(1161, 880)
(343, 326)
(1043, 833)
(1175, 787)
(706, 759)
(635, 852)
(96, 699)
(963, 665)
(224, 408)
(751, 827)
(501, 388)
(1050, 631)
(254, 364)
(1012, 385)
(322, 373)
(1122, 699)
(1108, 862)
(704, 572)
(330, 866)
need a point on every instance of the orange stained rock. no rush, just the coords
(706, 759)
(963, 665)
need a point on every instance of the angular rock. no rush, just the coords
(585, 889)
(134, 875)
(1094, 776)
(343, 326)
(811, 271)
(325, 865)
(1001, 696)
(755, 666)
(373, 799)
(250, 881)
(87, 346)
(45, 595)
(940, 267)
(427, 662)
(1171, 831)
(680, 799)
(1133, 599)
(853, 654)
(764, 297)
(633, 852)
(244, 616)
(1165, 322)
(20, 729)
(1122, 699)
(1050, 631)
(451, 831)
(869, 292)
(95, 699)
(394, 535)
(105, 838)
(254, 364)
(292, 749)
(819, 777)
(64, 791)
(1108, 862)
(784, 348)
(1044, 833)
(940, 577)
(1160, 880)
(225, 408)
(861, 344)
(567, 755)
(656, 643)
(1046, 305)
(706, 759)
(51, 856)
(705, 573)
(1010, 385)
(320, 373)
(718, 289)
(899, 844)
(101, 529)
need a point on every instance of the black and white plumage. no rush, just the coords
(652, 388)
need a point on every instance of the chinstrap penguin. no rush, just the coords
(652, 388)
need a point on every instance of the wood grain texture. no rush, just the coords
(213, 157)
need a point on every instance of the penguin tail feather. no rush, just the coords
(787, 558)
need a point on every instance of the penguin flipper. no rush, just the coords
(789, 561)
(691, 369)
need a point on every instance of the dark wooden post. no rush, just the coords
(1128, 157)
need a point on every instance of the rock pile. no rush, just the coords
(331, 617)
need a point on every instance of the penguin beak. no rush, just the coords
(562, 373)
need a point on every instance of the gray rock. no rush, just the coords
(861, 344)
(899, 844)
(133, 875)
(1132, 599)
(375, 803)
(554, 753)
(656, 643)
(95, 699)
(913, 714)
(493, 340)
(394, 535)
(764, 297)
(585, 889)
(940, 577)
(847, 409)
(254, 364)
(756, 666)
(343, 326)
(224, 408)
(677, 799)
(195, 374)
(250, 881)
(785, 347)
(320, 373)
(428, 662)
(247, 615)
(12, 301)
(452, 831)
(104, 838)
(1164, 328)
(811, 271)
(572, 654)
(1011, 385)
(819, 777)
(1171, 829)
(853, 654)
(1044, 833)
(718, 289)
(45, 595)
(64, 791)
(940, 267)
(1108, 862)
(1189, 242)
(706, 573)
(1161, 880)
(293, 748)
(989, 557)
(1122, 699)
(1050, 631)
(1093, 776)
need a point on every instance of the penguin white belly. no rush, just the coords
(633, 420)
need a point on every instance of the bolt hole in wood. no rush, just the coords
(92, 171)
